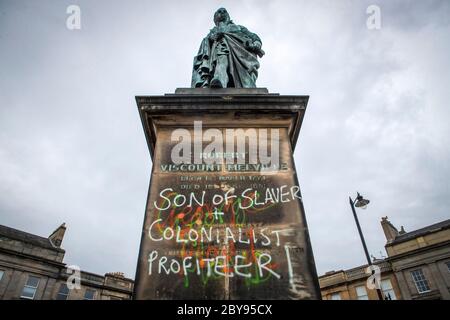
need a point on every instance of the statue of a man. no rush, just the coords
(227, 56)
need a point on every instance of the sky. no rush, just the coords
(72, 147)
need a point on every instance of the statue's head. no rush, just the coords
(221, 15)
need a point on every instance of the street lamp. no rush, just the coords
(362, 203)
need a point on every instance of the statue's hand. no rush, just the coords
(256, 48)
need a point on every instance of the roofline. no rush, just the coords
(355, 268)
(50, 245)
(425, 231)
(105, 275)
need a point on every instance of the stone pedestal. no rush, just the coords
(234, 228)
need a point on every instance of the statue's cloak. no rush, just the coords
(242, 63)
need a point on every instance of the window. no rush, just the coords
(29, 290)
(336, 296)
(361, 293)
(420, 281)
(388, 291)
(89, 294)
(1, 274)
(63, 292)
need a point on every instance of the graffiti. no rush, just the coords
(207, 235)
(271, 195)
(219, 265)
(235, 209)
(209, 228)
(210, 263)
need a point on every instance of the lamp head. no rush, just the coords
(361, 202)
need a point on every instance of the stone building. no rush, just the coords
(420, 259)
(417, 267)
(32, 267)
(352, 284)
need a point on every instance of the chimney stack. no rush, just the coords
(390, 231)
(57, 236)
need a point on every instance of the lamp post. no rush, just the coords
(362, 203)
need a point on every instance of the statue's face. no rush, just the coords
(221, 15)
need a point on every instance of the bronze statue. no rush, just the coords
(227, 56)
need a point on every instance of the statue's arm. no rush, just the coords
(256, 42)
(253, 36)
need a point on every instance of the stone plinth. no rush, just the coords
(235, 228)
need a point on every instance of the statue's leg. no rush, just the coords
(220, 79)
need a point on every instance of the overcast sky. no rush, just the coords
(72, 148)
